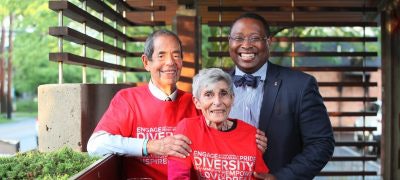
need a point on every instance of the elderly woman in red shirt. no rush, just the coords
(222, 148)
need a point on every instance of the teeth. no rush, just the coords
(217, 111)
(247, 56)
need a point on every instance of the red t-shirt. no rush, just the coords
(135, 112)
(216, 154)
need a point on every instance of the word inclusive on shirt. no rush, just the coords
(223, 166)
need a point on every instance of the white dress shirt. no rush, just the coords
(102, 142)
(247, 103)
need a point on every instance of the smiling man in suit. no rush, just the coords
(284, 103)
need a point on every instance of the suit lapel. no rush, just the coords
(271, 88)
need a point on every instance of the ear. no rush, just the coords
(196, 102)
(268, 42)
(146, 62)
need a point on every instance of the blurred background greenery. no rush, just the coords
(31, 45)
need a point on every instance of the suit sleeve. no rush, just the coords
(316, 134)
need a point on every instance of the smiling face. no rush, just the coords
(215, 102)
(248, 56)
(165, 63)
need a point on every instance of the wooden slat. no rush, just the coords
(335, 114)
(304, 54)
(113, 15)
(305, 3)
(225, 8)
(142, 11)
(325, 39)
(352, 129)
(306, 39)
(357, 143)
(351, 99)
(107, 11)
(328, 69)
(186, 2)
(337, 68)
(358, 84)
(121, 5)
(108, 167)
(303, 24)
(138, 39)
(326, 54)
(354, 158)
(148, 8)
(77, 14)
(348, 173)
(69, 58)
(80, 38)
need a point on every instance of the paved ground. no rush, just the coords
(23, 130)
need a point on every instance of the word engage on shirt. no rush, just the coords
(154, 132)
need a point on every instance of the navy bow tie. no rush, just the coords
(246, 79)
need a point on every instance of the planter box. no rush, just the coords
(9, 146)
(108, 167)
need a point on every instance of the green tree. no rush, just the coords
(32, 44)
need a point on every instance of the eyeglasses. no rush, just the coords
(252, 39)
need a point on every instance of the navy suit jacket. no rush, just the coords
(296, 123)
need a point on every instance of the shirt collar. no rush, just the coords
(262, 72)
(159, 94)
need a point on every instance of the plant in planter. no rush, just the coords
(59, 164)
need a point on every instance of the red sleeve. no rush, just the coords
(260, 164)
(179, 168)
(118, 118)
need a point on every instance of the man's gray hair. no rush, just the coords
(149, 44)
(208, 77)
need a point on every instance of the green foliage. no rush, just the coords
(59, 164)
(26, 105)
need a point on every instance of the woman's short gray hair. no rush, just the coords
(208, 77)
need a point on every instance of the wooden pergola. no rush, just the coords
(187, 17)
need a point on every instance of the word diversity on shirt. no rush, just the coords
(223, 166)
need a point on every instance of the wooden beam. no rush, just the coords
(307, 39)
(304, 54)
(303, 24)
(69, 58)
(80, 38)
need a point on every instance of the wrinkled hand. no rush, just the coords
(261, 140)
(176, 145)
(264, 176)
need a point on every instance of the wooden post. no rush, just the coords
(188, 31)
(390, 32)
(9, 69)
(2, 97)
